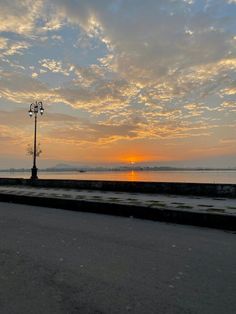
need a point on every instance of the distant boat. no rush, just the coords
(82, 170)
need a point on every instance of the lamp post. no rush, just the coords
(34, 109)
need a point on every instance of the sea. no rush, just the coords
(203, 176)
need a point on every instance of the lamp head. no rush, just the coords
(35, 108)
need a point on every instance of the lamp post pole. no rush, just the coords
(34, 109)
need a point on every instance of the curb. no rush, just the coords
(210, 220)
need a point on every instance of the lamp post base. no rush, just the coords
(34, 171)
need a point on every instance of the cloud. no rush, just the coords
(19, 88)
(228, 106)
(153, 38)
(111, 102)
(97, 134)
(19, 16)
(10, 47)
(54, 66)
(169, 52)
(20, 118)
(95, 95)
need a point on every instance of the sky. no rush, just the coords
(122, 81)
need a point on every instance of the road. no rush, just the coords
(54, 261)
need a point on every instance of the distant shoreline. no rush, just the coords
(12, 170)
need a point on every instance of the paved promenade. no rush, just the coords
(65, 262)
(188, 208)
(175, 202)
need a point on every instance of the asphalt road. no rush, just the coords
(54, 261)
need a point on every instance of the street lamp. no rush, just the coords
(34, 109)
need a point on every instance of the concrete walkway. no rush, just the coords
(180, 202)
(222, 207)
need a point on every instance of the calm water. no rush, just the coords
(153, 176)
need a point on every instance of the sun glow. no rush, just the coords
(133, 159)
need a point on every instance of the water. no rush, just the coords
(152, 176)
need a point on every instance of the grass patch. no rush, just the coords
(202, 205)
(184, 206)
(161, 205)
(66, 195)
(157, 205)
(220, 210)
(231, 207)
(177, 203)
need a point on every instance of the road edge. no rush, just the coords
(210, 220)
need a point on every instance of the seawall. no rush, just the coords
(180, 188)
